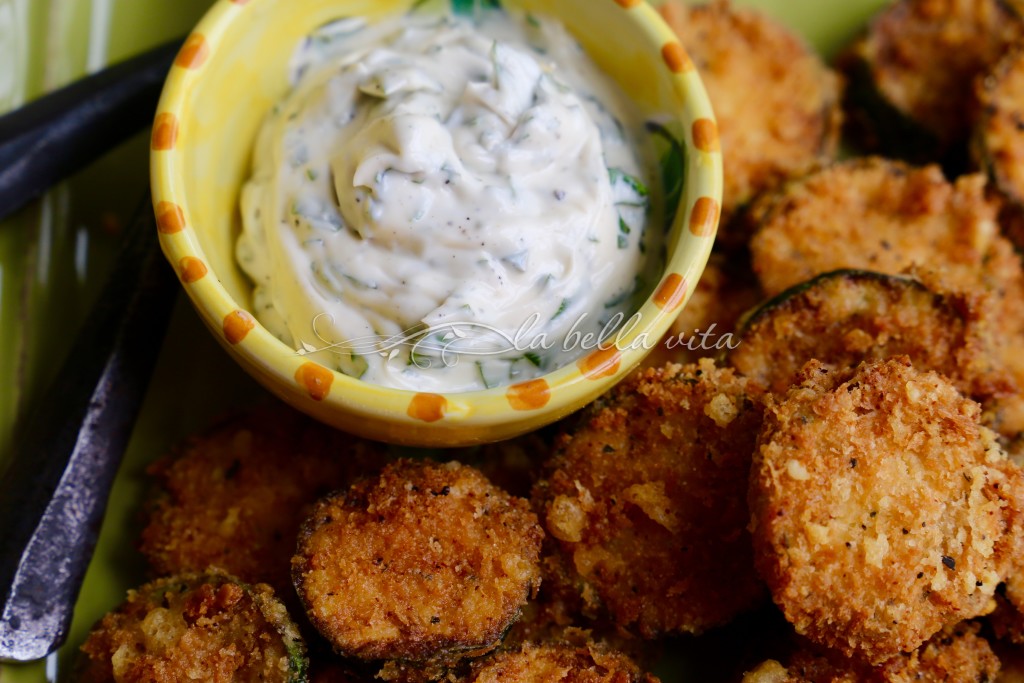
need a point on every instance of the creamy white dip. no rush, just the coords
(445, 205)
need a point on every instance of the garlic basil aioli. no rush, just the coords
(439, 204)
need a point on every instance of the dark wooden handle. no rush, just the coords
(54, 492)
(60, 133)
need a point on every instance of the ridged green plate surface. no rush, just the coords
(53, 257)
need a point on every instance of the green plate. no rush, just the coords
(53, 257)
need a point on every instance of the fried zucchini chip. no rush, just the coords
(911, 74)
(884, 216)
(195, 627)
(234, 497)
(880, 508)
(776, 103)
(848, 316)
(645, 499)
(426, 561)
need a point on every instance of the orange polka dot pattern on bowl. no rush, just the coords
(237, 325)
(191, 269)
(531, 395)
(316, 379)
(671, 293)
(194, 52)
(705, 135)
(600, 364)
(165, 132)
(675, 56)
(704, 217)
(427, 407)
(169, 218)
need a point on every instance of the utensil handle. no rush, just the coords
(58, 134)
(54, 492)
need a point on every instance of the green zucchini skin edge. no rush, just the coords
(750, 319)
(881, 126)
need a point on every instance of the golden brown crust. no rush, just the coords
(921, 56)
(645, 500)
(846, 317)
(878, 508)
(558, 662)
(889, 218)
(234, 497)
(776, 103)
(426, 560)
(195, 627)
(957, 653)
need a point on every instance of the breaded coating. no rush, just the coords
(998, 140)
(234, 497)
(726, 290)
(845, 317)
(884, 216)
(879, 508)
(427, 560)
(646, 500)
(557, 662)
(195, 627)
(911, 74)
(957, 653)
(776, 103)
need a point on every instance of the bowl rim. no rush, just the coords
(534, 401)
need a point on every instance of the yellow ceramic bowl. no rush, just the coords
(230, 73)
